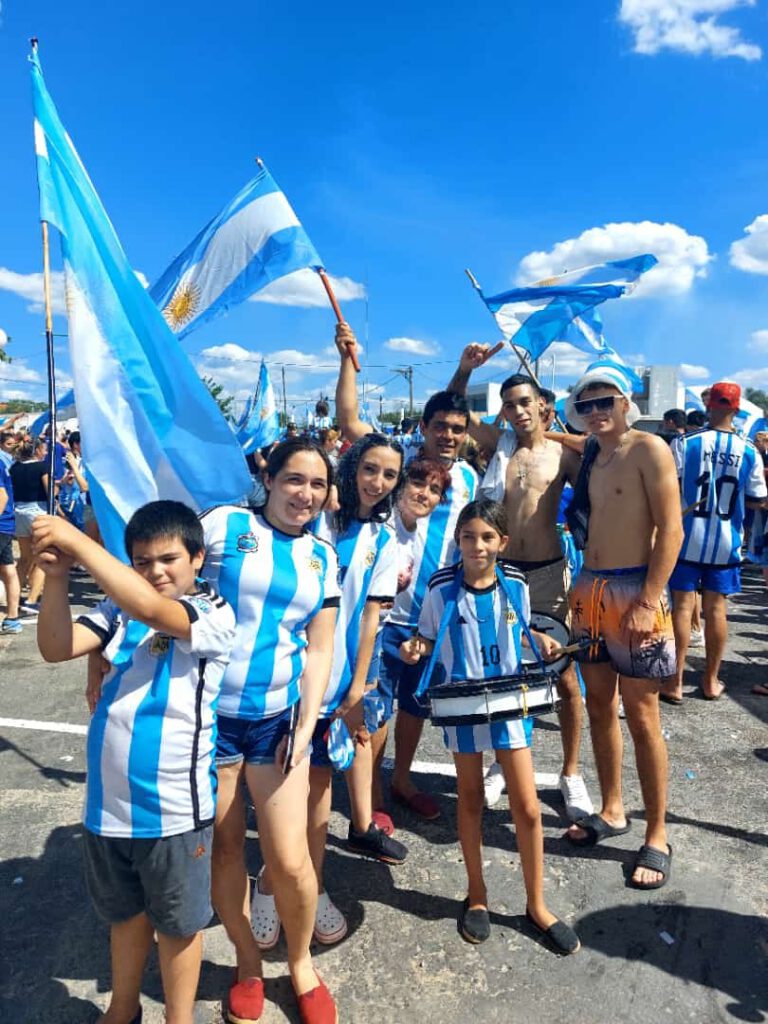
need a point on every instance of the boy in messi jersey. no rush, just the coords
(721, 474)
(150, 791)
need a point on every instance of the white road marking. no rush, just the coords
(31, 723)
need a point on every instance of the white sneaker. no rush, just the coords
(622, 712)
(577, 802)
(265, 924)
(494, 784)
(330, 923)
(697, 638)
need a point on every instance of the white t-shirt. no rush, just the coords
(150, 747)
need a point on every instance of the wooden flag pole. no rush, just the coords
(339, 315)
(520, 353)
(51, 368)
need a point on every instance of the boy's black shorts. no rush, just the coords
(6, 549)
(169, 879)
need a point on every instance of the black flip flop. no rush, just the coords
(674, 701)
(655, 860)
(558, 936)
(474, 925)
(597, 829)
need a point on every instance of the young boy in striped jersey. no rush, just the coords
(481, 638)
(150, 791)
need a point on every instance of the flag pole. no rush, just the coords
(519, 352)
(337, 310)
(51, 368)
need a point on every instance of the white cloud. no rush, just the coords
(412, 346)
(758, 341)
(751, 252)
(687, 26)
(682, 257)
(3, 338)
(237, 368)
(142, 277)
(691, 371)
(30, 287)
(756, 378)
(304, 288)
(28, 383)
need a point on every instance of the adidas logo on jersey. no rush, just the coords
(315, 565)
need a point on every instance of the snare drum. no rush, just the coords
(530, 692)
(558, 631)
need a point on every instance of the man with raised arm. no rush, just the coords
(444, 428)
(527, 474)
(627, 509)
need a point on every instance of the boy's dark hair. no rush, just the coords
(321, 408)
(285, 450)
(549, 396)
(516, 380)
(445, 401)
(695, 418)
(422, 469)
(74, 437)
(491, 512)
(676, 416)
(165, 519)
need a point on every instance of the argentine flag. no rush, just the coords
(693, 401)
(65, 410)
(254, 240)
(150, 428)
(261, 426)
(533, 317)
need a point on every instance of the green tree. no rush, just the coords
(21, 405)
(757, 396)
(4, 357)
(220, 396)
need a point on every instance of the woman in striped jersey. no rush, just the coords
(369, 479)
(282, 583)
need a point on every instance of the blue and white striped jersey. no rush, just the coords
(434, 546)
(151, 741)
(276, 583)
(484, 637)
(721, 470)
(368, 572)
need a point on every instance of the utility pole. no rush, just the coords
(285, 397)
(407, 372)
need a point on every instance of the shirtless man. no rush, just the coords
(620, 599)
(527, 473)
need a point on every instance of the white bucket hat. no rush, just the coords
(609, 375)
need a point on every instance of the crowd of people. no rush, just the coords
(247, 652)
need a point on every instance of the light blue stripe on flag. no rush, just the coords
(253, 241)
(535, 316)
(150, 427)
(262, 425)
(65, 409)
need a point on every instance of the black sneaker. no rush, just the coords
(377, 844)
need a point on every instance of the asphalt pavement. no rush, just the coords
(695, 950)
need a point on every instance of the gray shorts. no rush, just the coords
(26, 513)
(168, 879)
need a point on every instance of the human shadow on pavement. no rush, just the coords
(63, 776)
(719, 949)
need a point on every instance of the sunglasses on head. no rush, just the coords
(585, 406)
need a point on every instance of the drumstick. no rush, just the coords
(694, 505)
(577, 646)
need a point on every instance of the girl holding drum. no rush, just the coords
(473, 612)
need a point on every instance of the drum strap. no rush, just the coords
(448, 613)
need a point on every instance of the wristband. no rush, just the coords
(645, 604)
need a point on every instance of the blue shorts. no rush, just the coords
(396, 679)
(719, 579)
(253, 740)
(168, 879)
(318, 754)
(373, 668)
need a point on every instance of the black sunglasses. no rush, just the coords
(602, 404)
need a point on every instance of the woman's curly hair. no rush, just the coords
(346, 482)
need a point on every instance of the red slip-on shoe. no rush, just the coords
(383, 821)
(317, 1005)
(421, 804)
(245, 1002)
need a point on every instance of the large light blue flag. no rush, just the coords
(262, 426)
(254, 240)
(585, 332)
(150, 427)
(535, 316)
(693, 401)
(65, 410)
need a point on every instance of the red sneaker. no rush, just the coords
(317, 1005)
(246, 1001)
(383, 822)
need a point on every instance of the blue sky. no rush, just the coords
(414, 140)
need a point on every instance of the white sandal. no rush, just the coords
(265, 923)
(330, 923)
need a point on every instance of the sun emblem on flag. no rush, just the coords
(183, 305)
(315, 565)
(545, 282)
(370, 558)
